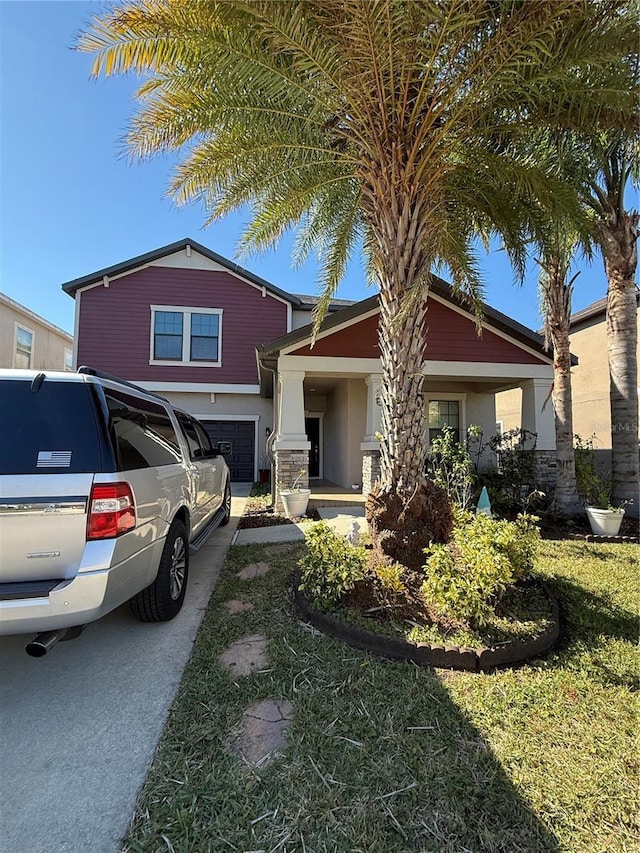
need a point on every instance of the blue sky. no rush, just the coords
(70, 203)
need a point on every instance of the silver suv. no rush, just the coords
(104, 491)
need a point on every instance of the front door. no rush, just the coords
(312, 428)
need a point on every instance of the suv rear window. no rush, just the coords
(143, 432)
(49, 431)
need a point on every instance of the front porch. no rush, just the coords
(324, 493)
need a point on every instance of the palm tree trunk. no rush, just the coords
(557, 307)
(620, 258)
(405, 512)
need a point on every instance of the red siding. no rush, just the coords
(450, 337)
(115, 323)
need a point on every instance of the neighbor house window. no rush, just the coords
(68, 359)
(444, 413)
(24, 347)
(186, 335)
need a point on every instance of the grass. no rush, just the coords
(394, 758)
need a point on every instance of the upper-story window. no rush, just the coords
(190, 336)
(68, 359)
(23, 355)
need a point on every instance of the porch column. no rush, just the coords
(291, 448)
(536, 394)
(370, 447)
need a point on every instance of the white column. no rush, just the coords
(370, 442)
(537, 412)
(291, 430)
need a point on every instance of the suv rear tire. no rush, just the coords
(163, 599)
(226, 503)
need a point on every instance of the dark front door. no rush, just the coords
(241, 436)
(312, 428)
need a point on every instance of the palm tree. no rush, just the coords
(556, 291)
(616, 232)
(381, 121)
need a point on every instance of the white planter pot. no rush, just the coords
(295, 503)
(605, 522)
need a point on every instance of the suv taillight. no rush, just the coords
(112, 510)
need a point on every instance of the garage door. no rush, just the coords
(241, 435)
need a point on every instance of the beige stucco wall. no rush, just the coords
(49, 342)
(344, 429)
(509, 409)
(589, 386)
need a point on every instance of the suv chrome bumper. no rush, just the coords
(85, 598)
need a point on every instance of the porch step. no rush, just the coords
(317, 501)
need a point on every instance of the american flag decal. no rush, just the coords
(54, 459)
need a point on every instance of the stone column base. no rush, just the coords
(288, 465)
(370, 469)
(545, 467)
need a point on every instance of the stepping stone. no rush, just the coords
(246, 656)
(264, 729)
(236, 606)
(253, 570)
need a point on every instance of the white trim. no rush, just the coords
(440, 299)
(328, 332)
(76, 330)
(17, 325)
(187, 312)
(310, 364)
(445, 397)
(187, 266)
(202, 387)
(488, 370)
(487, 325)
(248, 418)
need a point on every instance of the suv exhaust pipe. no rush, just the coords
(43, 643)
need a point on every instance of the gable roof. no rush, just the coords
(268, 353)
(437, 286)
(71, 287)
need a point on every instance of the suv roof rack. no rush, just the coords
(101, 374)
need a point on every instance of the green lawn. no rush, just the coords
(389, 757)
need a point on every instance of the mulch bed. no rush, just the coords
(259, 516)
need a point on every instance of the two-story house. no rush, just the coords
(236, 351)
(27, 340)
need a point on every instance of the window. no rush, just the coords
(444, 413)
(24, 347)
(142, 432)
(199, 442)
(68, 359)
(186, 336)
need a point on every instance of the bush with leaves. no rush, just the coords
(330, 566)
(513, 480)
(450, 466)
(466, 577)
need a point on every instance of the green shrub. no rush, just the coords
(466, 577)
(330, 566)
(389, 580)
(450, 466)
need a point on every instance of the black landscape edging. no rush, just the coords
(601, 540)
(445, 657)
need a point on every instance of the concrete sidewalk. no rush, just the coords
(338, 517)
(79, 727)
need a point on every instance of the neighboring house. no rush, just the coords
(29, 341)
(235, 351)
(589, 380)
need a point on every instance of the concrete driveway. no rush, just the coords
(79, 727)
